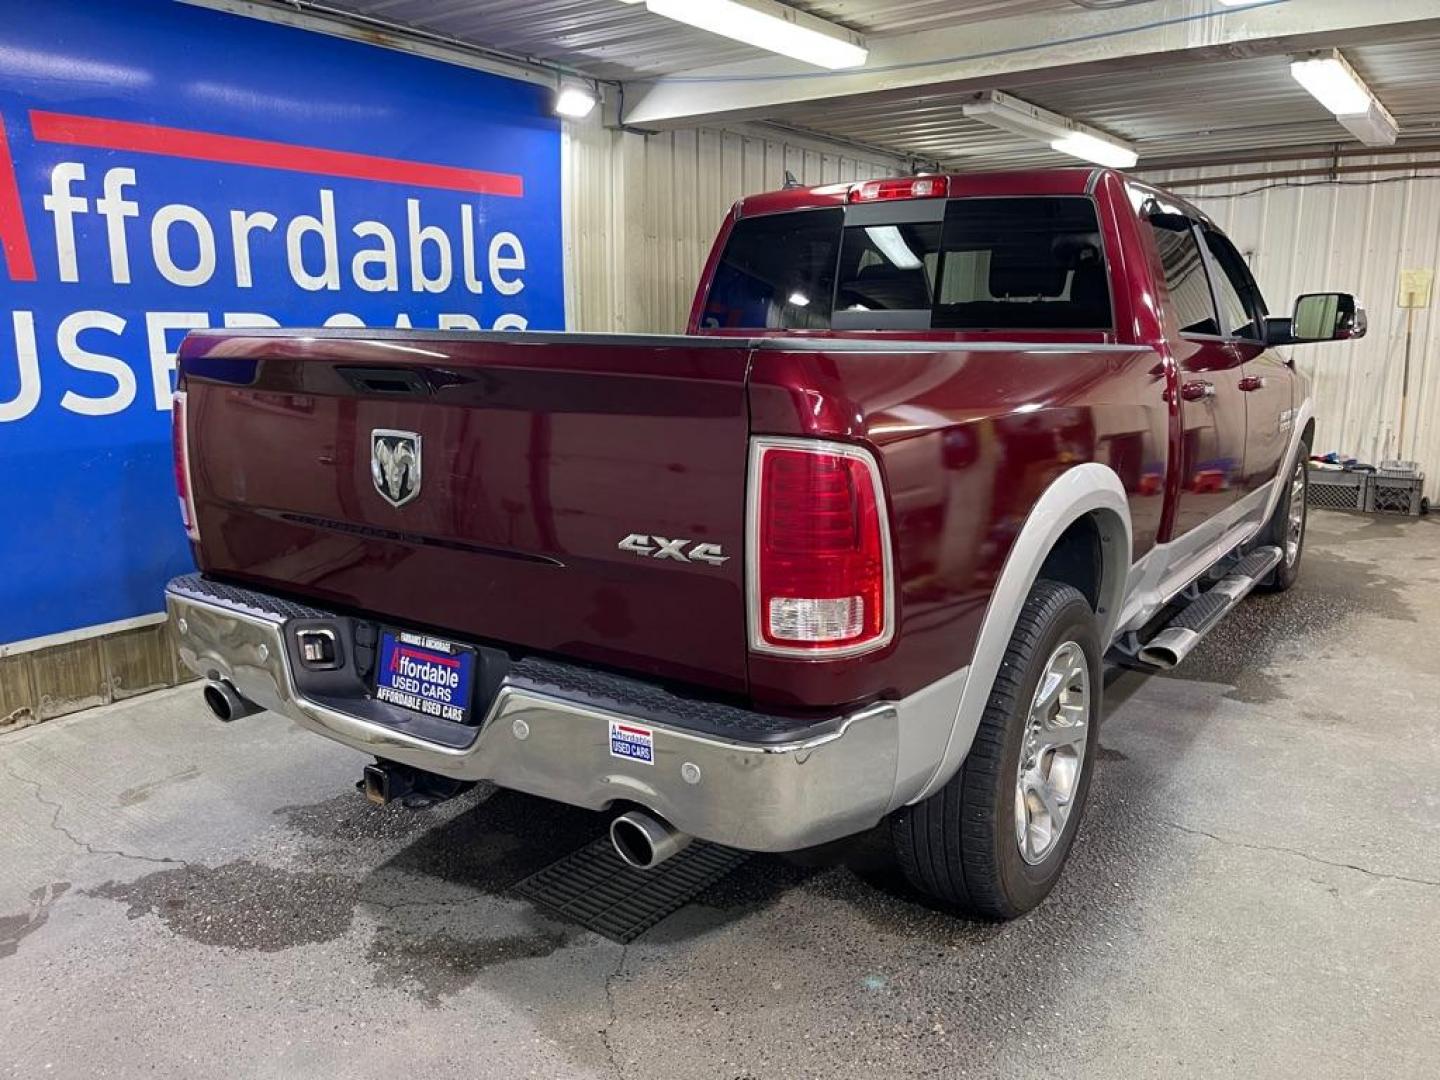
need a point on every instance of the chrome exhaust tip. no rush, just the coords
(1160, 657)
(226, 703)
(1167, 648)
(644, 842)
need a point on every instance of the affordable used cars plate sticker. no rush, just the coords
(632, 742)
(425, 674)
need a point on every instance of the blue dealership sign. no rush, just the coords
(165, 167)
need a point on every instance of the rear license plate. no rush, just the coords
(425, 674)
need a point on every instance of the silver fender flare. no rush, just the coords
(1085, 489)
(1299, 417)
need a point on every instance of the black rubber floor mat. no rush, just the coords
(597, 889)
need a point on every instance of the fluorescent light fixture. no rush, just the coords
(798, 299)
(767, 24)
(574, 101)
(892, 245)
(1374, 127)
(1011, 114)
(1333, 83)
(1001, 110)
(1100, 151)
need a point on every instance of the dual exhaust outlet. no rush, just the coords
(227, 703)
(640, 839)
(644, 841)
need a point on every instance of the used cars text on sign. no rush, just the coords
(165, 168)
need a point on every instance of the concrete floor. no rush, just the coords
(1256, 892)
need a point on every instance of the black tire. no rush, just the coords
(960, 846)
(1277, 529)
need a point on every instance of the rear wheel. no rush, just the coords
(993, 840)
(1286, 529)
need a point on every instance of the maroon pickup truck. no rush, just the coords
(852, 550)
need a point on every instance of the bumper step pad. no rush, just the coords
(595, 888)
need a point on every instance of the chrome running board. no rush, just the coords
(1201, 615)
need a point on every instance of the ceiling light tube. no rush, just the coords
(1333, 83)
(767, 24)
(1062, 134)
(1100, 151)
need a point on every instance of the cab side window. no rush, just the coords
(1184, 268)
(1241, 308)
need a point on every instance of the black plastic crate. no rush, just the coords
(1331, 489)
(1393, 493)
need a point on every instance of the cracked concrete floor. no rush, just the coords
(1254, 893)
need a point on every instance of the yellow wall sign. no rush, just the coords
(1415, 288)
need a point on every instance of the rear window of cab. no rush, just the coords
(1016, 263)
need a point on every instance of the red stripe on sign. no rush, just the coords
(264, 154)
(448, 661)
(632, 730)
(13, 237)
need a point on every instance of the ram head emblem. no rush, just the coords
(395, 465)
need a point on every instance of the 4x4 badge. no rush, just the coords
(660, 547)
(395, 465)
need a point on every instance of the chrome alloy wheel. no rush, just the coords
(1053, 752)
(1295, 523)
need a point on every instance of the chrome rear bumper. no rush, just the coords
(759, 796)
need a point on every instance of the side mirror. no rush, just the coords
(1319, 317)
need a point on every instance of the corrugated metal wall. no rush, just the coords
(1307, 234)
(642, 210)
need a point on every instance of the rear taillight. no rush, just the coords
(180, 451)
(819, 550)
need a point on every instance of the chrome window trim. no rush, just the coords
(759, 446)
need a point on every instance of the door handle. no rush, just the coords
(1197, 391)
(1252, 382)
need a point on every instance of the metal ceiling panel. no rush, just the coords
(885, 17)
(1172, 111)
(604, 38)
(613, 40)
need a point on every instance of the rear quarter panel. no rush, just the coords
(968, 438)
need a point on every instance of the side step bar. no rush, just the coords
(1198, 618)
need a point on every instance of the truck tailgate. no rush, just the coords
(538, 455)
